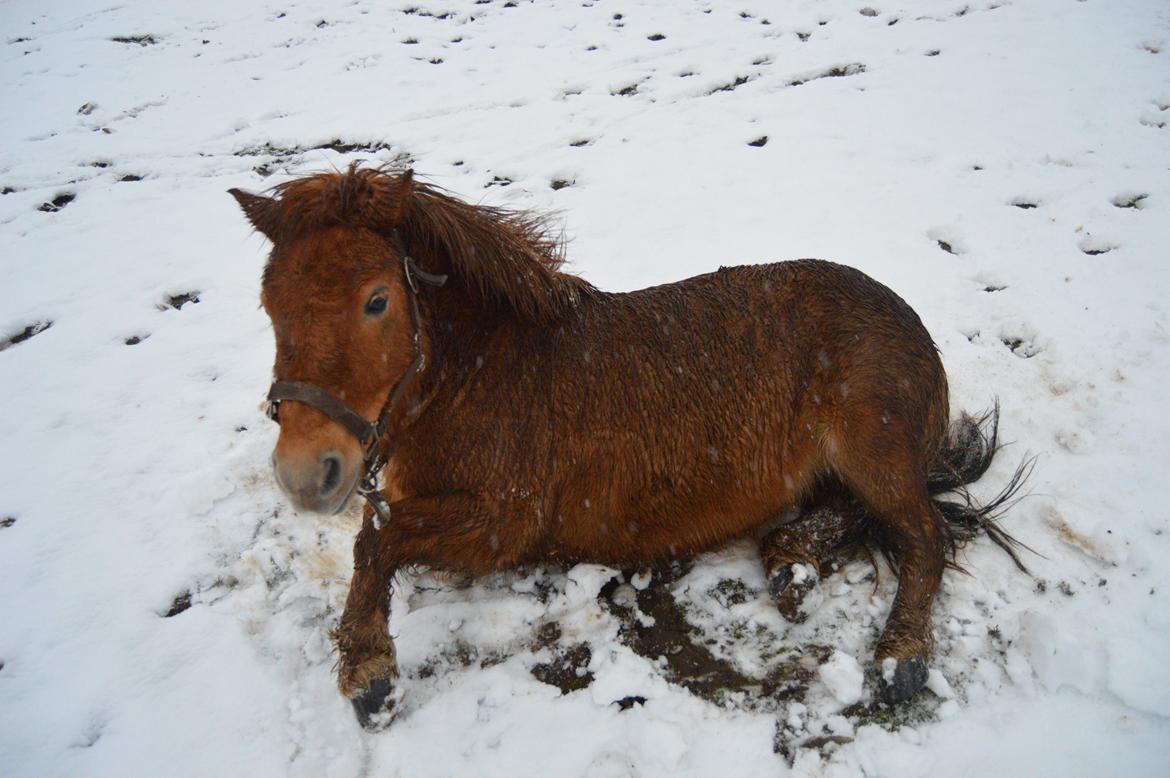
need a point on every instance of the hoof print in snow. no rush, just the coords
(731, 86)
(581, 142)
(561, 183)
(1094, 247)
(1024, 204)
(625, 703)
(409, 41)
(35, 328)
(498, 181)
(134, 340)
(130, 177)
(946, 246)
(1130, 200)
(141, 40)
(994, 288)
(375, 706)
(177, 301)
(569, 669)
(934, 52)
(867, 11)
(656, 37)
(181, 603)
(840, 71)
(6, 190)
(901, 679)
(626, 91)
(87, 109)
(804, 36)
(57, 203)
(7, 522)
(758, 142)
(1021, 347)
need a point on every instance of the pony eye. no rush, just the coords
(376, 304)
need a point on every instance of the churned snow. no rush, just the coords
(1004, 165)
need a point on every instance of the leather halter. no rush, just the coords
(369, 434)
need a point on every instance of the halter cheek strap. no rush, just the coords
(369, 434)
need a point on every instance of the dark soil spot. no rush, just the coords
(730, 591)
(35, 328)
(993, 288)
(625, 703)
(626, 91)
(942, 244)
(410, 41)
(891, 22)
(804, 36)
(568, 671)
(181, 603)
(87, 109)
(1065, 588)
(7, 190)
(1129, 200)
(560, 183)
(976, 167)
(688, 663)
(130, 177)
(102, 163)
(134, 340)
(7, 522)
(760, 141)
(177, 301)
(435, 60)
(1096, 252)
(498, 181)
(57, 203)
(322, 23)
(1024, 204)
(656, 37)
(579, 143)
(934, 52)
(840, 71)
(730, 87)
(141, 40)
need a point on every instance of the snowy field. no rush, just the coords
(1002, 164)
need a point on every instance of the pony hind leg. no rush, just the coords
(796, 554)
(888, 475)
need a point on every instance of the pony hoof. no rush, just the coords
(790, 586)
(376, 704)
(901, 679)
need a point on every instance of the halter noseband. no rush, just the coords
(369, 434)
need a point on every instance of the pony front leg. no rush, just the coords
(456, 532)
(367, 667)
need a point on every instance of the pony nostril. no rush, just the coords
(332, 474)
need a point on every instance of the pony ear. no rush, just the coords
(261, 211)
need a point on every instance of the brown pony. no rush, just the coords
(518, 414)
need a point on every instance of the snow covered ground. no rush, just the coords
(1003, 164)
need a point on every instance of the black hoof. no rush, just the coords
(789, 590)
(375, 705)
(901, 681)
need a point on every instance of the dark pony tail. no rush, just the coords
(963, 459)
